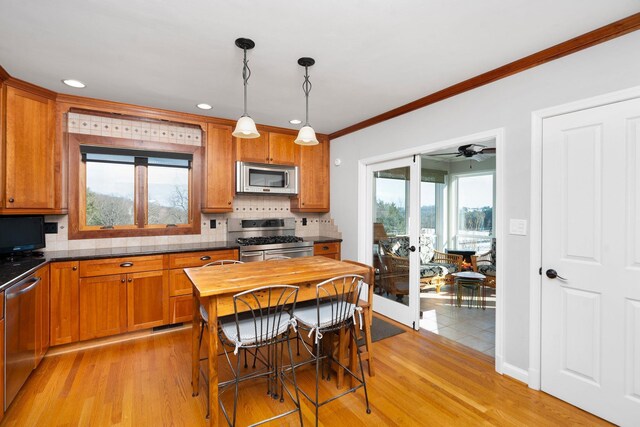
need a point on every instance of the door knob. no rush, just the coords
(552, 274)
(412, 248)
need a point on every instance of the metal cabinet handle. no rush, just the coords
(205, 258)
(325, 248)
(11, 294)
(228, 203)
(11, 200)
(122, 280)
(126, 264)
(130, 280)
(74, 268)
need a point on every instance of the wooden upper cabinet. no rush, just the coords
(270, 147)
(32, 167)
(282, 149)
(218, 189)
(313, 188)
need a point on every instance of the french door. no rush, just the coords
(591, 260)
(393, 190)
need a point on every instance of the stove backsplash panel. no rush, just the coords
(244, 207)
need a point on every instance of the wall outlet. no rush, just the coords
(51, 228)
(304, 221)
(212, 223)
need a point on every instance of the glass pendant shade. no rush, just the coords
(306, 136)
(246, 128)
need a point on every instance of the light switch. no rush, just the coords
(518, 227)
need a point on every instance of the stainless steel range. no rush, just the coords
(262, 239)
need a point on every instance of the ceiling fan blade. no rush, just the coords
(442, 154)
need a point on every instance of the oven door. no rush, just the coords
(291, 252)
(251, 256)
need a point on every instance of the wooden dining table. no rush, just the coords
(214, 288)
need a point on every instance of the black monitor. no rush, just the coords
(21, 234)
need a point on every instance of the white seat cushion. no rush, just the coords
(329, 312)
(256, 330)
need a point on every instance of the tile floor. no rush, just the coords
(472, 327)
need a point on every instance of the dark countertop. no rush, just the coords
(322, 239)
(12, 272)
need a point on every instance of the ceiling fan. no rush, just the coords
(472, 151)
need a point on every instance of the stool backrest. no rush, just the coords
(337, 298)
(222, 262)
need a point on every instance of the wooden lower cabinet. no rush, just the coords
(329, 250)
(181, 309)
(42, 314)
(103, 306)
(147, 299)
(63, 313)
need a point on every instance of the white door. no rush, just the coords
(393, 192)
(591, 238)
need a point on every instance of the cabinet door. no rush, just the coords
(282, 149)
(219, 167)
(103, 306)
(42, 314)
(181, 309)
(313, 195)
(147, 299)
(64, 302)
(30, 150)
(253, 150)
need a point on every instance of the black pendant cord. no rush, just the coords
(246, 73)
(306, 87)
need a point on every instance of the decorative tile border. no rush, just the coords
(133, 129)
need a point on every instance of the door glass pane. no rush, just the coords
(110, 190)
(168, 195)
(390, 233)
(475, 212)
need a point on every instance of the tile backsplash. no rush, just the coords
(244, 207)
(133, 129)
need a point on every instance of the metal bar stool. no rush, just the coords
(335, 310)
(261, 322)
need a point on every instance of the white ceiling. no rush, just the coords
(371, 56)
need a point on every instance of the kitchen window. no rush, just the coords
(126, 191)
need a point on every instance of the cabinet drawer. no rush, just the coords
(196, 259)
(326, 248)
(181, 309)
(104, 267)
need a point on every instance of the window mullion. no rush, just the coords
(141, 196)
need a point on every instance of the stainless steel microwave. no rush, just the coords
(258, 178)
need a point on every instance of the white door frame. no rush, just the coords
(535, 245)
(365, 238)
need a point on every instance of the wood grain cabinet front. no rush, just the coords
(270, 147)
(42, 314)
(64, 302)
(218, 174)
(181, 309)
(147, 300)
(313, 186)
(31, 155)
(107, 266)
(329, 250)
(103, 306)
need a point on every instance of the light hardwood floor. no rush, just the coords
(421, 380)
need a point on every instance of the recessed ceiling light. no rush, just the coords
(204, 106)
(295, 121)
(74, 83)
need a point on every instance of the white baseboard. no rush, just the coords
(515, 372)
(499, 364)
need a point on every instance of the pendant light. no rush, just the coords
(246, 127)
(306, 136)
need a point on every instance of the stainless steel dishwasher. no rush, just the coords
(20, 335)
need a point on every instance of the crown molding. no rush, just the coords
(576, 44)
